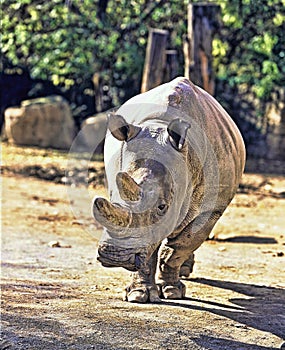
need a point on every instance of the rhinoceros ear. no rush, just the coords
(121, 129)
(177, 130)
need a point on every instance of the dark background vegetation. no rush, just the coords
(61, 46)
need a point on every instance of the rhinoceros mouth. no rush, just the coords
(130, 259)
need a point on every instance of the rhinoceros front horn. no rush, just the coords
(128, 188)
(111, 216)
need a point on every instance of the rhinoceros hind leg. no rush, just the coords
(172, 291)
(142, 294)
(187, 267)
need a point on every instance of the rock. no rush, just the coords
(44, 122)
(93, 131)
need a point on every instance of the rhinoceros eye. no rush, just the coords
(161, 209)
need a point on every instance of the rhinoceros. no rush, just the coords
(174, 159)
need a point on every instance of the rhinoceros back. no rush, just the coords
(181, 98)
(216, 149)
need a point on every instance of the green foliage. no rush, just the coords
(68, 41)
(251, 49)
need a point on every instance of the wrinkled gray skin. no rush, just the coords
(174, 159)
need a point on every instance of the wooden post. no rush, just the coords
(155, 59)
(171, 65)
(203, 23)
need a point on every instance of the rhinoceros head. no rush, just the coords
(145, 196)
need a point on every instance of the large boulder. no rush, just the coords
(44, 122)
(93, 131)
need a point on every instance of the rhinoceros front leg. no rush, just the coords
(170, 266)
(143, 288)
(177, 258)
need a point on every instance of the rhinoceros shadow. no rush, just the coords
(262, 307)
(247, 239)
(212, 343)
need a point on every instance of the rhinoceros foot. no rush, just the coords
(172, 291)
(142, 294)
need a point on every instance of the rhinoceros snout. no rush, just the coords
(111, 256)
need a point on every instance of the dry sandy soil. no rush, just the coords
(56, 296)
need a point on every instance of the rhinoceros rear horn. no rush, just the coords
(177, 130)
(128, 188)
(121, 129)
(111, 216)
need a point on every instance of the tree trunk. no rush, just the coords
(203, 23)
(96, 79)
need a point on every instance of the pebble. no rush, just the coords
(54, 244)
(57, 244)
(222, 249)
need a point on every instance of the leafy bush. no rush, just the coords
(251, 49)
(67, 42)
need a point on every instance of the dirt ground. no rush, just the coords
(56, 296)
